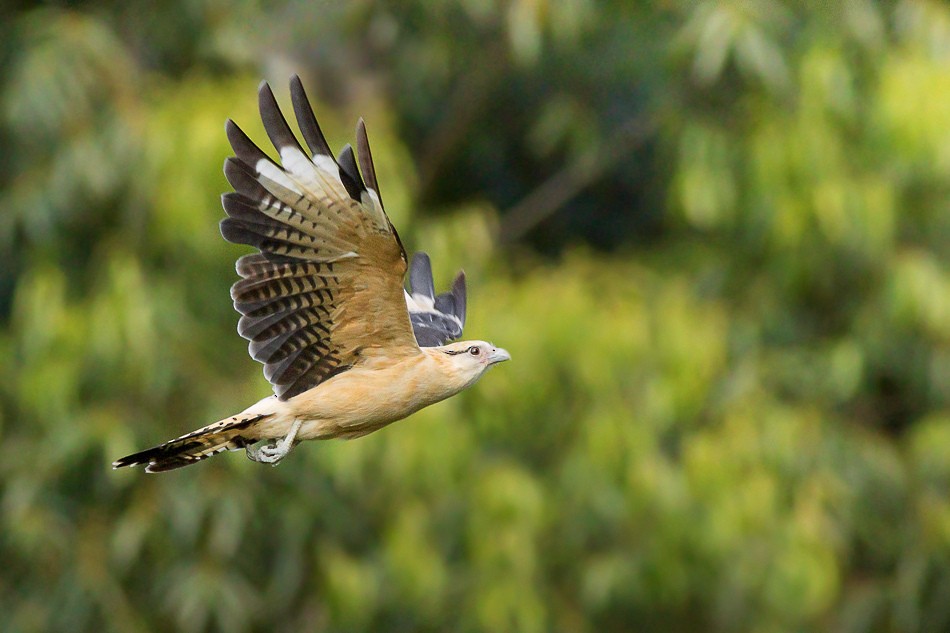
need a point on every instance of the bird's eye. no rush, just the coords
(474, 351)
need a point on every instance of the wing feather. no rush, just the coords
(349, 174)
(366, 157)
(307, 121)
(325, 290)
(436, 319)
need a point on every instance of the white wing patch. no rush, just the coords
(276, 175)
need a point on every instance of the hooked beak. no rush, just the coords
(498, 355)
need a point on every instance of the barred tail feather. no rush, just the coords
(226, 434)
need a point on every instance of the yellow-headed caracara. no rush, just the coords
(345, 347)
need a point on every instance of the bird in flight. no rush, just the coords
(345, 347)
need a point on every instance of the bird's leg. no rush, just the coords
(275, 451)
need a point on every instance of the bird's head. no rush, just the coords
(470, 359)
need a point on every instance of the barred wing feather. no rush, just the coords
(325, 290)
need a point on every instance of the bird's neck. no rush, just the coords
(446, 371)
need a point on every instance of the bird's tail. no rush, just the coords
(227, 434)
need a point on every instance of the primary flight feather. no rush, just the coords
(346, 348)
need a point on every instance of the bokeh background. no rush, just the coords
(715, 237)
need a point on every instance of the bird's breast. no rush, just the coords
(368, 397)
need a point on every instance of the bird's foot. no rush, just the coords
(274, 450)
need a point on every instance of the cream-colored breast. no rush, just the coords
(372, 395)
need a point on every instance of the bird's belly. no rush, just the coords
(357, 402)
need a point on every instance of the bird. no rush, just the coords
(345, 346)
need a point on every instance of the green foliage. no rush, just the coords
(736, 417)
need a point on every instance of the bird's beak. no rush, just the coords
(498, 355)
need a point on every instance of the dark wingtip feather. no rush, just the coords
(242, 179)
(365, 157)
(274, 122)
(241, 232)
(349, 174)
(240, 207)
(453, 302)
(420, 275)
(263, 93)
(306, 120)
(243, 146)
(231, 230)
(458, 292)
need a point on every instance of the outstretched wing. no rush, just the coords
(326, 288)
(436, 319)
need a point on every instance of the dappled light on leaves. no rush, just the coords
(725, 289)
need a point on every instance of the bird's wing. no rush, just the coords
(436, 319)
(326, 289)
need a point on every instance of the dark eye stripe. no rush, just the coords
(474, 350)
